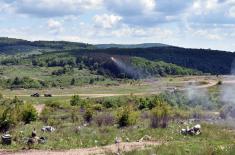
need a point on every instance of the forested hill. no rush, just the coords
(205, 60)
(13, 46)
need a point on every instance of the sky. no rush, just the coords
(185, 23)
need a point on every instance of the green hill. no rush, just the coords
(204, 60)
(13, 46)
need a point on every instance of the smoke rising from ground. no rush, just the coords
(197, 96)
(127, 69)
(227, 95)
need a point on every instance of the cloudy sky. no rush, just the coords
(187, 23)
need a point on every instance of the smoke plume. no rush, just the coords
(127, 69)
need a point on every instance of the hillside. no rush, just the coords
(207, 61)
(13, 46)
(204, 60)
(63, 69)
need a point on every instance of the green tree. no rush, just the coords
(16, 81)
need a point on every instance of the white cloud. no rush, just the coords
(5, 7)
(54, 26)
(148, 12)
(52, 8)
(130, 7)
(138, 32)
(181, 22)
(201, 7)
(232, 12)
(107, 21)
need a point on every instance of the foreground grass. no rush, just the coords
(214, 139)
(179, 148)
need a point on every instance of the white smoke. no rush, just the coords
(198, 96)
(129, 70)
(227, 94)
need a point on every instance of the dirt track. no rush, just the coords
(114, 148)
(210, 84)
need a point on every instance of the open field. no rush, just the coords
(73, 137)
(143, 87)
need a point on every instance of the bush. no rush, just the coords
(77, 101)
(219, 82)
(143, 104)
(6, 120)
(14, 112)
(25, 82)
(88, 115)
(108, 104)
(73, 81)
(126, 116)
(160, 115)
(29, 113)
(97, 107)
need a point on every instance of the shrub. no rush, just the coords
(73, 81)
(142, 104)
(88, 115)
(25, 82)
(57, 104)
(6, 120)
(14, 111)
(77, 101)
(97, 107)
(126, 116)
(29, 113)
(219, 82)
(92, 81)
(108, 104)
(160, 115)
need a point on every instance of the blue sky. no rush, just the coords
(187, 23)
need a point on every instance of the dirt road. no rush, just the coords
(114, 148)
(210, 84)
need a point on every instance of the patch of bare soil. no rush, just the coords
(39, 108)
(114, 148)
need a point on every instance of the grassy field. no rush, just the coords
(213, 140)
(67, 119)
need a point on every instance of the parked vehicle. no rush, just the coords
(35, 95)
(47, 95)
